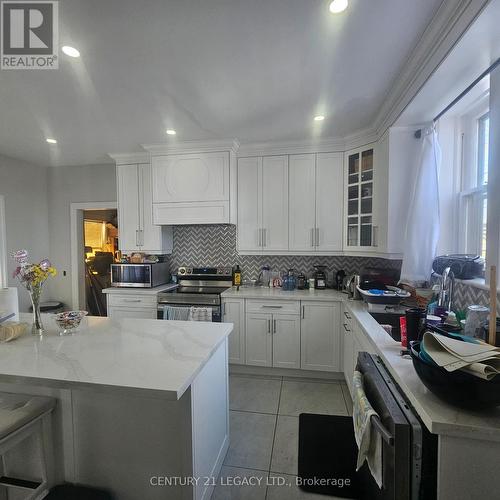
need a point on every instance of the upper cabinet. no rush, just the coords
(263, 204)
(316, 202)
(135, 224)
(359, 228)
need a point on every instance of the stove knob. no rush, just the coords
(182, 270)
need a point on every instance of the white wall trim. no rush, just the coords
(130, 158)
(3, 245)
(192, 146)
(76, 210)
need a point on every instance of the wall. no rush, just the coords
(26, 214)
(216, 246)
(71, 185)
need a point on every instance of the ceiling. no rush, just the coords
(256, 70)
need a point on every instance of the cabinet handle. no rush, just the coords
(347, 315)
(272, 307)
(259, 237)
(345, 328)
(316, 239)
(137, 237)
(303, 312)
(312, 237)
(268, 326)
(131, 300)
(274, 326)
(141, 234)
(264, 237)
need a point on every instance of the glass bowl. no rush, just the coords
(69, 321)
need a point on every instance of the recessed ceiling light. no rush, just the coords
(319, 118)
(338, 6)
(70, 51)
(51, 141)
(171, 131)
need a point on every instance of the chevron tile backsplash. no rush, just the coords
(215, 245)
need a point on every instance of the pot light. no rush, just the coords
(319, 118)
(171, 131)
(338, 6)
(51, 141)
(70, 51)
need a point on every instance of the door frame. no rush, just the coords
(77, 249)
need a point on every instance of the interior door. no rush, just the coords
(302, 202)
(286, 341)
(329, 201)
(128, 207)
(258, 339)
(249, 204)
(275, 203)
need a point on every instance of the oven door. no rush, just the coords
(216, 310)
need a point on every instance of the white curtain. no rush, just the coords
(422, 227)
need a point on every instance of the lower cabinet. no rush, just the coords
(121, 312)
(141, 306)
(273, 340)
(233, 311)
(320, 336)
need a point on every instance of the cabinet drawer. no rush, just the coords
(132, 300)
(273, 306)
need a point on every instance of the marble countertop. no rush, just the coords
(438, 416)
(145, 356)
(256, 292)
(140, 291)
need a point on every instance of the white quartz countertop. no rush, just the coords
(154, 357)
(140, 291)
(438, 416)
(256, 292)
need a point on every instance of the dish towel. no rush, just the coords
(368, 439)
(200, 314)
(176, 313)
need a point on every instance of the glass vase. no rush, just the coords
(37, 327)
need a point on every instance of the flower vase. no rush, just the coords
(37, 327)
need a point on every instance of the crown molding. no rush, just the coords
(291, 147)
(130, 158)
(214, 146)
(451, 21)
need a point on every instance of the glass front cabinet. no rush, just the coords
(359, 204)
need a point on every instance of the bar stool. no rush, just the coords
(24, 417)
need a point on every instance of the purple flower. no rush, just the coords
(45, 264)
(16, 272)
(21, 256)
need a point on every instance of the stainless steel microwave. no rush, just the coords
(140, 275)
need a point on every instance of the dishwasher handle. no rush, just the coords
(381, 429)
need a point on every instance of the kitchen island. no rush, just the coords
(142, 404)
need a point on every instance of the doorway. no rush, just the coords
(94, 247)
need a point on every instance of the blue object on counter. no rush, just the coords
(289, 281)
(375, 291)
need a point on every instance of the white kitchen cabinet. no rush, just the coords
(320, 336)
(234, 312)
(191, 188)
(286, 341)
(127, 305)
(121, 312)
(316, 202)
(135, 224)
(258, 339)
(348, 355)
(263, 204)
(359, 200)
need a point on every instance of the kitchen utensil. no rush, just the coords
(352, 285)
(457, 387)
(415, 322)
(393, 295)
(264, 276)
(339, 279)
(320, 277)
(289, 281)
(476, 316)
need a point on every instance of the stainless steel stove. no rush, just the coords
(198, 287)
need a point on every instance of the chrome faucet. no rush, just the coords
(446, 289)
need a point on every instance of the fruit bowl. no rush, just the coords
(69, 321)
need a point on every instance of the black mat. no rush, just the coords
(72, 492)
(328, 453)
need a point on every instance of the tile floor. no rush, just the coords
(264, 425)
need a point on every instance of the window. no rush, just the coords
(473, 197)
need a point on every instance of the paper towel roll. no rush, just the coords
(9, 302)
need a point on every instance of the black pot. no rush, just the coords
(458, 388)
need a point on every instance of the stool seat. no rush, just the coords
(17, 410)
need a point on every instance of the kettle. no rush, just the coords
(351, 286)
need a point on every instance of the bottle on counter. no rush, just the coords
(237, 276)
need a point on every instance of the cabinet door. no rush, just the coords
(118, 312)
(286, 341)
(151, 235)
(329, 201)
(233, 313)
(302, 196)
(320, 336)
(258, 340)
(348, 356)
(249, 204)
(128, 207)
(191, 177)
(275, 203)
